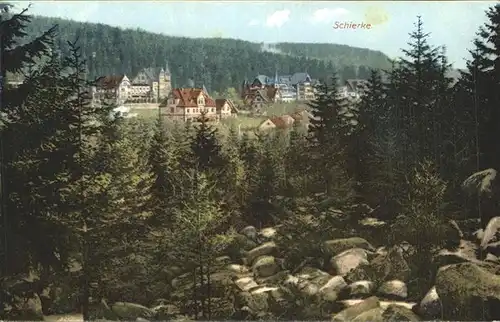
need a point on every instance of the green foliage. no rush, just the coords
(205, 147)
(199, 235)
(232, 186)
(217, 63)
(33, 145)
(339, 55)
(422, 223)
(328, 137)
(162, 158)
(128, 199)
(477, 87)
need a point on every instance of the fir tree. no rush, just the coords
(17, 54)
(297, 165)
(162, 159)
(421, 88)
(232, 178)
(200, 233)
(480, 87)
(124, 203)
(372, 116)
(206, 148)
(328, 134)
(88, 183)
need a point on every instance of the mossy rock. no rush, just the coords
(131, 311)
(265, 266)
(373, 315)
(468, 292)
(337, 246)
(352, 312)
(255, 302)
(399, 313)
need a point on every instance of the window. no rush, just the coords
(172, 109)
(187, 111)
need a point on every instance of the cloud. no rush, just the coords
(278, 19)
(376, 15)
(327, 15)
(254, 22)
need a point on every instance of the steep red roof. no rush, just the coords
(279, 122)
(219, 103)
(188, 97)
(110, 81)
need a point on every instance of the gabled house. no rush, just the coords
(225, 108)
(112, 88)
(304, 86)
(277, 122)
(266, 125)
(187, 104)
(299, 86)
(300, 78)
(259, 97)
(256, 98)
(152, 84)
(260, 81)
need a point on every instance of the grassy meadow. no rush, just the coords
(244, 122)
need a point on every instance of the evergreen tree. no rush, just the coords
(162, 159)
(422, 85)
(266, 185)
(85, 191)
(328, 134)
(200, 234)
(232, 178)
(124, 203)
(372, 116)
(297, 165)
(205, 147)
(16, 148)
(480, 89)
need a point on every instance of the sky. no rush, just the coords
(450, 23)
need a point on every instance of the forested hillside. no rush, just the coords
(218, 63)
(341, 55)
(384, 211)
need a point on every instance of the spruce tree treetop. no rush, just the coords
(328, 114)
(205, 146)
(480, 84)
(15, 56)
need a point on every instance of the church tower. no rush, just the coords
(164, 83)
(276, 79)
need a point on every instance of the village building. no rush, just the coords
(299, 86)
(113, 89)
(285, 121)
(262, 96)
(266, 125)
(188, 104)
(225, 108)
(151, 85)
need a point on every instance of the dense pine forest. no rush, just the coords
(215, 62)
(381, 211)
